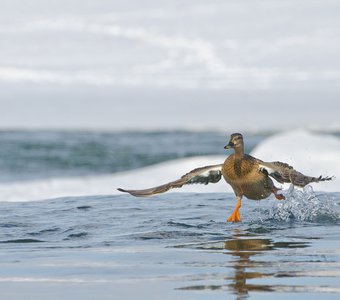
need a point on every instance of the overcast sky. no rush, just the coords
(135, 64)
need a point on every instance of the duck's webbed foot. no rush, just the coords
(235, 216)
(278, 196)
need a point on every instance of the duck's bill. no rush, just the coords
(230, 145)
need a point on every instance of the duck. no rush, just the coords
(248, 176)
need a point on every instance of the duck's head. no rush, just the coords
(236, 141)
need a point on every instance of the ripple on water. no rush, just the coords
(84, 207)
(73, 236)
(186, 225)
(166, 235)
(12, 225)
(47, 231)
(22, 241)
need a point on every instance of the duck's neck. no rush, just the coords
(239, 151)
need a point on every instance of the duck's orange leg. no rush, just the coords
(278, 196)
(235, 216)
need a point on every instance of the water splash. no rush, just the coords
(305, 205)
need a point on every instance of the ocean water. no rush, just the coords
(26, 155)
(172, 246)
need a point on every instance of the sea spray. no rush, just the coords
(305, 205)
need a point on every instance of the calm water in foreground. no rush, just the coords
(173, 246)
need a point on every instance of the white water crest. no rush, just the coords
(310, 153)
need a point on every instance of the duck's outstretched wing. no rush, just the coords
(203, 175)
(283, 172)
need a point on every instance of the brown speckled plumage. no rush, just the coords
(243, 173)
(245, 178)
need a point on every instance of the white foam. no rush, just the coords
(312, 154)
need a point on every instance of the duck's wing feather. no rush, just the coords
(203, 175)
(283, 172)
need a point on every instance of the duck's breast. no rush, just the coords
(257, 188)
(245, 178)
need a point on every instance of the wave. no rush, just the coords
(310, 153)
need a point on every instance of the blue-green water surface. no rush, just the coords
(173, 246)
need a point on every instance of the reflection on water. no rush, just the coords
(247, 264)
(245, 250)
